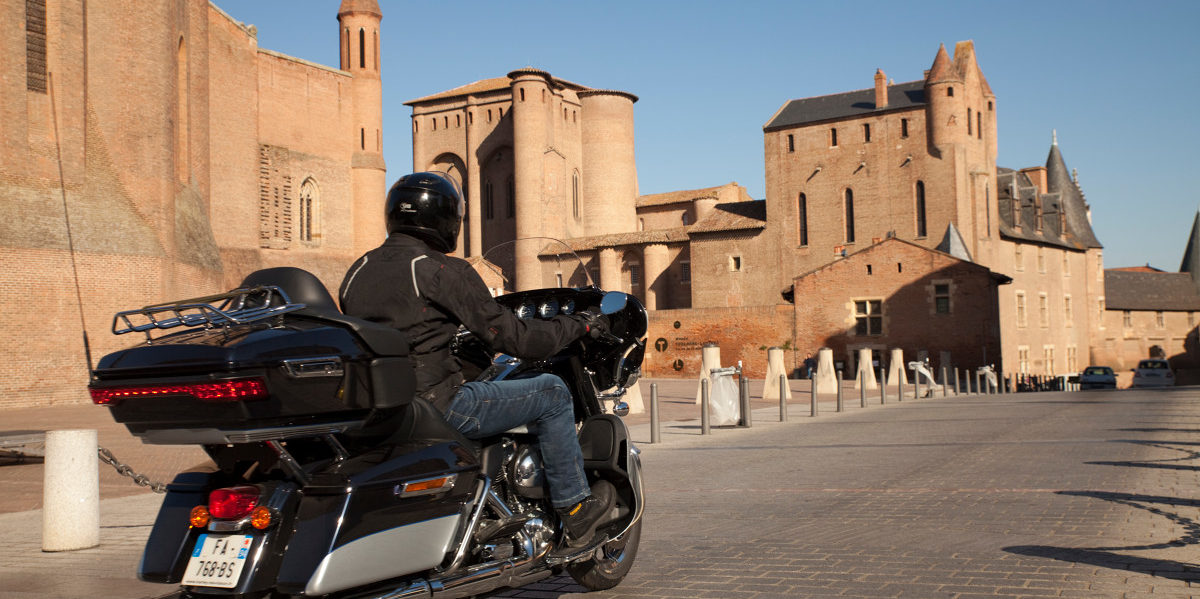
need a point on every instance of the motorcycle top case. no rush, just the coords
(319, 373)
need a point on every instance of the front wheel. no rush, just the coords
(608, 571)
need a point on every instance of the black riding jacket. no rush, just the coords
(407, 285)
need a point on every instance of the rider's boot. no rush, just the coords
(582, 519)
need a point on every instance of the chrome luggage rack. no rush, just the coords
(239, 306)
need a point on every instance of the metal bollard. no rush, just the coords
(944, 381)
(783, 398)
(978, 383)
(916, 385)
(812, 392)
(839, 390)
(704, 406)
(747, 418)
(862, 388)
(654, 433)
(882, 386)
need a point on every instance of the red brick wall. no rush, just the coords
(742, 333)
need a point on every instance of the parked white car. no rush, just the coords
(1153, 373)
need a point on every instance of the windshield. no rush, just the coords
(1098, 370)
(1153, 364)
(545, 261)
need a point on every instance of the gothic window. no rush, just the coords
(575, 194)
(802, 219)
(308, 210)
(979, 124)
(922, 229)
(488, 201)
(849, 216)
(868, 317)
(969, 131)
(35, 46)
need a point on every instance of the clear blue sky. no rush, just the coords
(1118, 80)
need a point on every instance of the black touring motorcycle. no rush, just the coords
(330, 479)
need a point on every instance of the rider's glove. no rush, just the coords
(595, 324)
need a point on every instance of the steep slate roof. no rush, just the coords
(953, 244)
(901, 96)
(1064, 211)
(732, 216)
(1132, 290)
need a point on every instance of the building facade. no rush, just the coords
(141, 164)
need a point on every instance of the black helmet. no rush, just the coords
(428, 206)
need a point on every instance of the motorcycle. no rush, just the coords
(330, 478)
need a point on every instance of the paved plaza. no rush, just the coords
(1086, 494)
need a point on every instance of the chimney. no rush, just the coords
(880, 89)
(1037, 175)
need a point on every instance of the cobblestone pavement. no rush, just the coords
(1055, 494)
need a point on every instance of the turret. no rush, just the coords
(531, 108)
(1191, 254)
(358, 35)
(945, 107)
(609, 171)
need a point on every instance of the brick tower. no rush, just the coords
(358, 22)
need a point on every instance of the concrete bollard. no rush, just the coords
(826, 380)
(703, 406)
(654, 432)
(710, 359)
(840, 407)
(775, 369)
(865, 376)
(896, 371)
(71, 495)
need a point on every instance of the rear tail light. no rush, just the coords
(232, 503)
(227, 390)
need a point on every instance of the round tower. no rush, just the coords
(943, 95)
(610, 186)
(531, 107)
(358, 35)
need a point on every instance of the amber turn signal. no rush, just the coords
(199, 517)
(261, 517)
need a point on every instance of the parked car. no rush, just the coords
(1097, 377)
(1153, 373)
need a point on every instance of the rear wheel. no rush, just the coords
(608, 571)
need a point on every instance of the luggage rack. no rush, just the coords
(239, 306)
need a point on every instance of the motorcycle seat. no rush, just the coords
(303, 287)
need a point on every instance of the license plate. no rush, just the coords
(217, 560)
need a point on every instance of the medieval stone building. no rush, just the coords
(152, 151)
(913, 161)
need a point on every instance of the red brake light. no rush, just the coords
(232, 503)
(228, 390)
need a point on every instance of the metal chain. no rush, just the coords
(141, 480)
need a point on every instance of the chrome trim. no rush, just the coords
(217, 436)
(229, 309)
(463, 540)
(323, 366)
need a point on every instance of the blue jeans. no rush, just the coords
(484, 408)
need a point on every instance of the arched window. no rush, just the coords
(970, 131)
(309, 209)
(802, 219)
(922, 229)
(489, 206)
(849, 216)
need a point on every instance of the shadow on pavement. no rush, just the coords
(1108, 558)
(1189, 454)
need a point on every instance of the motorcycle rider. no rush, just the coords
(410, 283)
